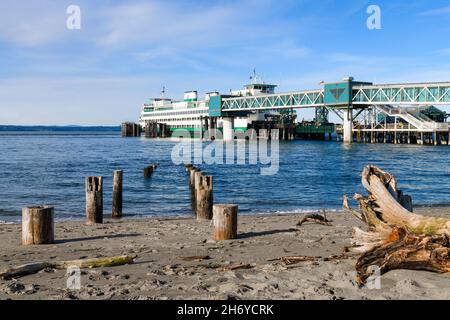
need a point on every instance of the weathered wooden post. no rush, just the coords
(148, 171)
(192, 176)
(204, 198)
(94, 200)
(225, 221)
(117, 194)
(197, 180)
(38, 225)
(191, 172)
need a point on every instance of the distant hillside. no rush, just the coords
(60, 128)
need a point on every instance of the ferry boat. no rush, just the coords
(187, 114)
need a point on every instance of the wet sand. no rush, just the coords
(159, 273)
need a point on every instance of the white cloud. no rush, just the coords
(32, 23)
(435, 12)
(186, 25)
(445, 51)
(75, 100)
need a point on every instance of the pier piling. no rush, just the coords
(148, 171)
(204, 198)
(38, 225)
(192, 170)
(117, 194)
(130, 129)
(225, 221)
(197, 180)
(94, 200)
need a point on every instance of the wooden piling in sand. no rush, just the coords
(94, 200)
(204, 198)
(38, 225)
(117, 194)
(225, 221)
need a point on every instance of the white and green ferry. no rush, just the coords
(187, 114)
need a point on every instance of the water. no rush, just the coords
(49, 168)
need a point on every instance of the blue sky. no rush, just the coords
(126, 51)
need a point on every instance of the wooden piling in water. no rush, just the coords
(204, 198)
(197, 180)
(192, 177)
(94, 200)
(148, 171)
(225, 221)
(197, 176)
(117, 194)
(38, 225)
(191, 171)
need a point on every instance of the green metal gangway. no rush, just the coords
(346, 94)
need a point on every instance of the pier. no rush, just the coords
(349, 100)
(370, 113)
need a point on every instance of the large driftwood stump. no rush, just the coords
(38, 225)
(225, 221)
(397, 238)
(94, 200)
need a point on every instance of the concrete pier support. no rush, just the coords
(435, 138)
(348, 126)
(228, 129)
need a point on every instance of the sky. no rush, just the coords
(126, 51)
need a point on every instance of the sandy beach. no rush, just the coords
(159, 271)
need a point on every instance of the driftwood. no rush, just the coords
(236, 267)
(194, 258)
(315, 218)
(31, 268)
(296, 259)
(397, 238)
(289, 260)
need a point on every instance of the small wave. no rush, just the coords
(432, 205)
(294, 211)
(2, 222)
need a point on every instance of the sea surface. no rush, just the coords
(49, 168)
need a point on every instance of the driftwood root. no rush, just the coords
(396, 238)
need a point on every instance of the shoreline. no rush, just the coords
(422, 208)
(159, 273)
